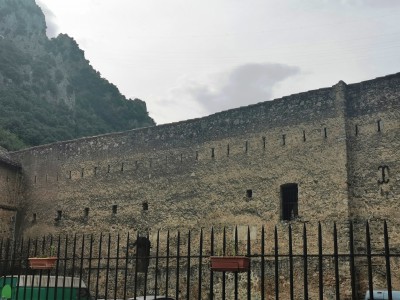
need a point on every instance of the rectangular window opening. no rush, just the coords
(325, 133)
(289, 201)
(114, 209)
(304, 135)
(212, 153)
(145, 206)
(264, 142)
(59, 215)
(283, 139)
(246, 146)
(378, 123)
(86, 212)
(122, 167)
(227, 150)
(249, 193)
(82, 172)
(356, 130)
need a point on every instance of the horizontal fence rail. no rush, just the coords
(292, 261)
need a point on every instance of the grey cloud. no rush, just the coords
(52, 27)
(373, 3)
(244, 85)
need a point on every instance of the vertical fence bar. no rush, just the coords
(236, 273)
(108, 266)
(178, 241)
(57, 266)
(387, 261)
(146, 260)
(126, 265)
(90, 262)
(116, 269)
(65, 265)
(35, 255)
(156, 267)
(81, 265)
(248, 272)
(73, 266)
(320, 264)
(1, 258)
(13, 258)
(20, 267)
(51, 247)
(26, 270)
(188, 268)
(167, 267)
(8, 254)
(136, 266)
(276, 252)
(352, 264)
(98, 265)
(291, 263)
(336, 258)
(200, 264)
(2, 263)
(263, 263)
(305, 260)
(369, 260)
(41, 271)
(223, 273)
(211, 271)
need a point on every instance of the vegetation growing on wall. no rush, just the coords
(48, 90)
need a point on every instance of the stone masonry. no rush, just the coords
(339, 147)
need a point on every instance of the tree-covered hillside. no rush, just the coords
(48, 90)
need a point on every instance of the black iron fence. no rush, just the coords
(286, 262)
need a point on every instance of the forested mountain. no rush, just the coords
(48, 90)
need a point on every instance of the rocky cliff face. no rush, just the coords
(49, 90)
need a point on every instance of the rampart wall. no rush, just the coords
(185, 174)
(227, 168)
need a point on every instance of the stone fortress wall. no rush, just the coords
(11, 190)
(340, 145)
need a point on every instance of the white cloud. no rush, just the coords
(243, 85)
(52, 27)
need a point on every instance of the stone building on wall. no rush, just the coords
(329, 155)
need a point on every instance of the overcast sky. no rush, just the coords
(191, 58)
